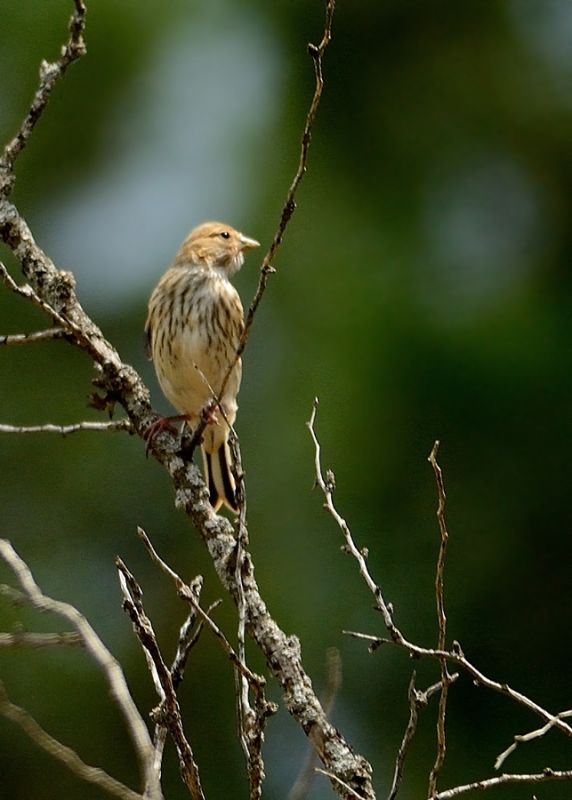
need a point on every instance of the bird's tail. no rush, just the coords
(219, 477)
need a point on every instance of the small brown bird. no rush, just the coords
(193, 327)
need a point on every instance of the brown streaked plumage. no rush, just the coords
(194, 325)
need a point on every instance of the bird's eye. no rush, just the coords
(225, 234)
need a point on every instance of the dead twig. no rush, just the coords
(188, 638)
(317, 54)
(31, 338)
(50, 75)
(101, 655)
(503, 780)
(338, 782)
(37, 641)
(528, 737)
(168, 714)
(61, 752)
(442, 623)
(417, 701)
(66, 430)
(327, 484)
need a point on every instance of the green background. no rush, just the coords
(423, 292)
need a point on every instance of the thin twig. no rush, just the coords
(339, 782)
(442, 623)
(255, 681)
(169, 712)
(65, 430)
(30, 294)
(457, 657)
(528, 737)
(502, 780)
(251, 718)
(317, 54)
(40, 640)
(32, 338)
(61, 752)
(417, 701)
(97, 650)
(50, 74)
(188, 637)
(327, 484)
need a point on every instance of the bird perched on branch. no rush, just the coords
(193, 328)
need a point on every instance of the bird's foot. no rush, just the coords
(208, 413)
(161, 424)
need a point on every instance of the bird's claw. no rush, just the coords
(157, 427)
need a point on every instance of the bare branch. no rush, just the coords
(502, 780)
(327, 485)
(184, 591)
(61, 752)
(50, 75)
(442, 622)
(169, 713)
(65, 430)
(97, 650)
(457, 657)
(528, 737)
(40, 640)
(30, 294)
(251, 719)
(317, 53)
(187, 640)
(32, 338)
(188, 635)
(417, 701)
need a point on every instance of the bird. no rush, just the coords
(194, 326)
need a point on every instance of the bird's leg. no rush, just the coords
(161, 424)
(207, 416)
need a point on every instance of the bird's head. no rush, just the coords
(215, 244)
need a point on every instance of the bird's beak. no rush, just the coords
(248, 244)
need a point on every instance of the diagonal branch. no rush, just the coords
(528, 737)
(503, 780)
(97, 650)
(61, 752)
(317, 54)
(327, 484)
(168, 714)
(50, 75)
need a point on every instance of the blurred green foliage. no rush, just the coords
(423, 291)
